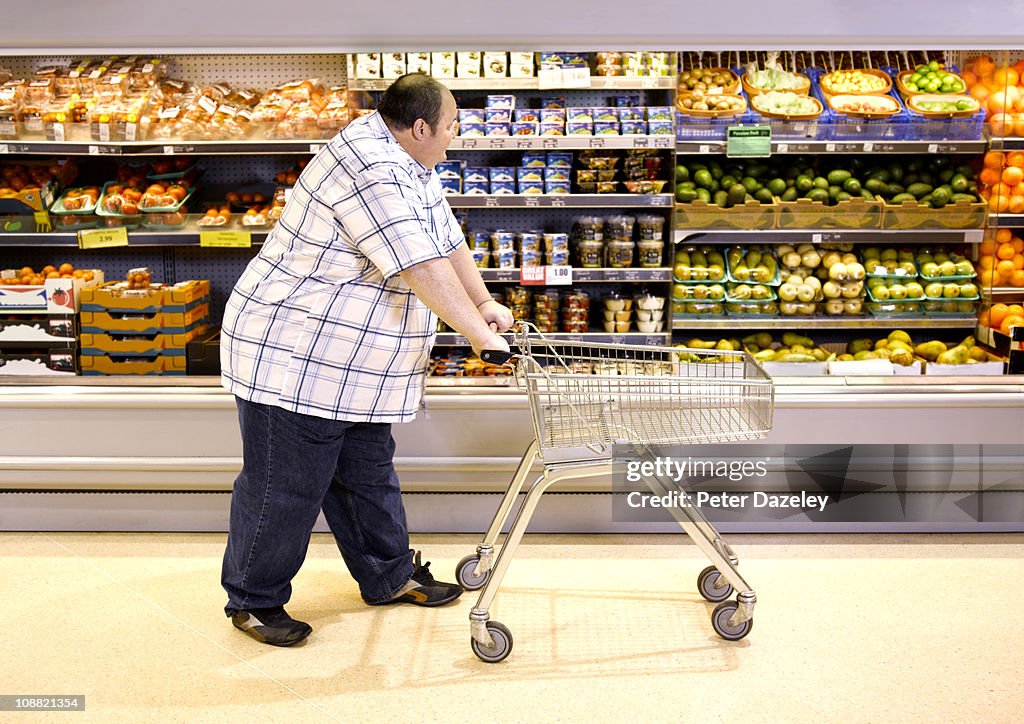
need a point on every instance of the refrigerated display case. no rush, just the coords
(162, 452)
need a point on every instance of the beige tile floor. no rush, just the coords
(607, 628)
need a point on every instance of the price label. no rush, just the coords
(933, 148)
(491, 201)
(3, 148)
(597, 143)
(815, 238)
(576, 77)
(748, 141)
(868, 147)
(558, 274)
(548, 78)
(42, 218)
(550, 143)
(102, 238)
(661, 200)
(499, 142)
(524, 143)
(316, 147)
(704, 148)
(531, 201)
(650, 82)
(830, 147)
(555, 201)
(226, 239)
(531, 275)
(782, 148)
(663, 142)
(469, 143)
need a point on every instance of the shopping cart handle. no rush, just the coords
(495, 356)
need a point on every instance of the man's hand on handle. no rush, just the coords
(498, 316)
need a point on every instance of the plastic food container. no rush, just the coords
(697, 309)
(620, 253)
(615, 302)
(651, 253)
(752, 309)
(651, 227)
(590, 254)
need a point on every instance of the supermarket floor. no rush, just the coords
(607, 628)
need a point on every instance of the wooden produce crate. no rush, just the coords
(145, 322)
(702, 215)
(131, 365)
(962, 214)
(856, 213)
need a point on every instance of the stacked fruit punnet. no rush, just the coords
(1002, 181)
(1001, 260)
(999, 90)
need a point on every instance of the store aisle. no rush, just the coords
(607, 628)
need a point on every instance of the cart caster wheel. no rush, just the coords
(502, 643)
(465, 576)
(720, 621)
(706, 585)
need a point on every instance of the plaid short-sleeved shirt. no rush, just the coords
(320, 322)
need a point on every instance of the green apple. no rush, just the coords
(851, 289)
(881, 293)
(908, 267)
(969, 290)
(905, 255)
(934, 290)
(810, 258)
(832, 290)
(805, 293)
(855, 270)
(897, 291)
(834, 306)
(791, 260)
(951, 291)
(875, 282)
(914, 290)
(849, 259)
(930, 269)
(888, 254)
(964, 268)
(947, 269)
(872, 252)
(837, 272)
(787, 292)
(852, 306)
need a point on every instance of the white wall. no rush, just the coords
(326, 25)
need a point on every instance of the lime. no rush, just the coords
(934, 65)
(912, 87)
(957, 86)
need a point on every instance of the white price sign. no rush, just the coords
(545, 275)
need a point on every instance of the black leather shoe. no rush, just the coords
(271, 626)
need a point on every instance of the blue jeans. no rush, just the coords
(294, 465)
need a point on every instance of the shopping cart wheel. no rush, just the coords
(720, 621)
(706, 582)
(502, 643)
(465, 576)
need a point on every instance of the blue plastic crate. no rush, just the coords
(849, 128)
(920, 128)
(689, 128)
(816, 130)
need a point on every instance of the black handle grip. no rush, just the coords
(495, 356)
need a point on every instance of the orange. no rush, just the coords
(989, 176)
(1012, 175)
(1006, 76)
(1016, 205)
(1005, 269)
(1017, 243)
(997, 312)
(983, 318)
(1005, 251)
(999, 204)
(1015, 158)
(988, 246)
(993, 159)
(1017, 280)
(1016, 309)
(1003, 235)
(986, 262)
(984, 65)
(1018, 261)
(1018, 189)
(987, 277)
(1001, 123)
(26, 271)
(981, 93)
(1018, 129)
(1011, 321)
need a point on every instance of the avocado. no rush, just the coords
(727, 181)
(818, 195)
(716, 170)
(834, 191)
(704, 195)
(838, 176)
(777, 186)
(842, 196)
(876, 185)
(804, 184)
(851, 186)
(682, 173)
(821, 182)
(959, 183)
(721, 198)
(703, 178)
(685, 195)
(756, 170)
(735, 194)
(900, 198)
(790, 194)
(765, 195)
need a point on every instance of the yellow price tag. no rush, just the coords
(226, 239)
(102, 238)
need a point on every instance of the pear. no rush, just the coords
(881, 344)
(977, 354)
(900, 335)
(968, 342)
(901, 356)
(859, 344)
(865, 354)
(955, 356)
(791, 338)
(930, 350)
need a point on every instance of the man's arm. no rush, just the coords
(436, 284)
(492, 312)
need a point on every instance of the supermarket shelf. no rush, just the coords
(1006, 144)
(588, 275)
(162, 148)
(135, 238)
(500, 84)
(878, 236)
(823, 323)
(447, 339)
(590, 201)
(558, 142)
(1002, 292)
(788, 147)
(1013, 221)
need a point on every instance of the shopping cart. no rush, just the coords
(587, 398)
